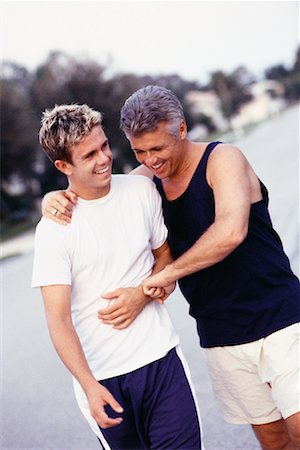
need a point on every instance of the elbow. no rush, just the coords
(237, 237)
(56, 322)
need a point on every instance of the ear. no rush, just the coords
(64, 167)
(182, 130)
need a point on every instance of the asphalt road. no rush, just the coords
(38, 407)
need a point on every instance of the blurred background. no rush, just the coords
(232, 64)
(235, 66)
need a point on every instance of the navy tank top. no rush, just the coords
(253, 291)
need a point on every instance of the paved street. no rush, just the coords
(39, 410)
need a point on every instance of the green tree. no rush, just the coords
(64, 79)
(290, 78)
(18, 143)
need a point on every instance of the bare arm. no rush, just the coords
(227, 174)
(129, 302)
(67, 344)
(142, 170)
(61, 202)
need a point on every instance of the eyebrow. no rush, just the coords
(90, 152)
(157, 147)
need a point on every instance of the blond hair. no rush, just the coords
(65, 126)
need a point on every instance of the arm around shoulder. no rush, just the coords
(58, 205)
(142, 170)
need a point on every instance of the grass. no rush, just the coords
(11, 230)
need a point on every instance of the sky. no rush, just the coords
(188, 38)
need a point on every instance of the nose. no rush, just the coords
(102, 158)
(150, 159)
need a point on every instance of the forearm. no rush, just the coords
(162, 261)
(212, 247)
(69, 349)
(57, 299)
(162, 258)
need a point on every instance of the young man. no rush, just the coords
(132, 381)
(230, 263)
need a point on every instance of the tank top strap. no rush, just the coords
(200, 169)
(207, 152)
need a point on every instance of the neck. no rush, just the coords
(191, 153)
(88, 193)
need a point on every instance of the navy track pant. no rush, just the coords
(159, 408)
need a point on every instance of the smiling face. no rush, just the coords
(90, 172)
(159, 150)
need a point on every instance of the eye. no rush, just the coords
(105, 144)
(89, 155)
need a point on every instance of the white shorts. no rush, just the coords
(258, 382)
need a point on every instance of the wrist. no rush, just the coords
(89, 384)
(91, 389)
(170, 274)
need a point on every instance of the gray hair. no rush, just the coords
(65, 126)
(148, 106)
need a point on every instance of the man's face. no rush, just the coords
(158, 150)
(90, 171)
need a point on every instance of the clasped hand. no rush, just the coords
(158, 281)
(128, 303)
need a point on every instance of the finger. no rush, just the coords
(56, 211)
(65, 209)
(123, 325)
(62, 198)
(148, 290)
(113, 309)
(71, 196)
(104, 420)
(56, 219)
(109, 422)
(111, 318)
(158, 292)
(59, 217)
(164, 296)
(121, 319)
(112, 402)
(112, 294)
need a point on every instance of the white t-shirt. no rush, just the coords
(109, 245)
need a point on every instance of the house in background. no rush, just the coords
(267, 100)
(205, 107)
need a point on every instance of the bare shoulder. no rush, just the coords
(226, 160)
(142, 170)
(226, 151)
(226, 155)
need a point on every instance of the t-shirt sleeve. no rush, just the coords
(159, 230)
(51, 263)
